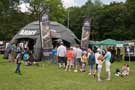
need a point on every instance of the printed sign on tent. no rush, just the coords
(46, 32)
(46, 35)
(85, 33)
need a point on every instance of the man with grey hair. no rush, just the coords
(61, 53)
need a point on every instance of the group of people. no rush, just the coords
(16, 53)
(71, 58)
(76, 59)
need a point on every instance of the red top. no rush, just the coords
(70, 55)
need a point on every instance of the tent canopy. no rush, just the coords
(31, 34)
(110, 42)
(59, 31)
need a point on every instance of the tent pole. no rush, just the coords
(40, 27)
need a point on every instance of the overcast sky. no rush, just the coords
(69, 3)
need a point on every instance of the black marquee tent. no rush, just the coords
(31, 33)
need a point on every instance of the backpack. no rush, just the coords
(111, 60)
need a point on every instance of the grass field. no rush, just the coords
(48, 77)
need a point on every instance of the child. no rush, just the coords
(54, 55)
(18, 63)
(25, 56)
(125, 70)
(84, 60)
(70, 57)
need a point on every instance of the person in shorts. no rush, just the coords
(100, 59)
(61, 54)
(70, 57)
(78, 63)
(84, 61)
(107, 59)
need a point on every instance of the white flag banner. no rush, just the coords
(46, 32)
(85, 34)
(46, 36)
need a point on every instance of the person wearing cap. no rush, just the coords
(99, 61)
(61, 54)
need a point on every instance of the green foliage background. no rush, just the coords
(114, 21)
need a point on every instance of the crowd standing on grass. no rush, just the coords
(76, 59)
(72, 58)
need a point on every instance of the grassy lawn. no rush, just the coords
(49, 77)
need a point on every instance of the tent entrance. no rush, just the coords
(27, 42)
(56, 42)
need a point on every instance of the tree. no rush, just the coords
(56, 10)
(98, 3)
(130, 22)
(108, 21)
(12, 20)
(75, 20)
(78, 14)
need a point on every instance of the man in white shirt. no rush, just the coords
(78, 58)
(61, 53)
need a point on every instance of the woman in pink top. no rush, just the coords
(125, 70)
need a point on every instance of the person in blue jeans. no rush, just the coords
(18, 63)
(91, 62)
(54, 55)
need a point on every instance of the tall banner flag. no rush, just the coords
(46, 35)
(85, 33)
